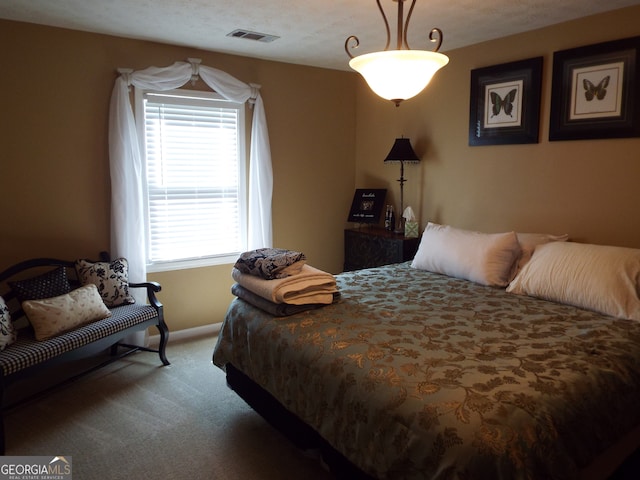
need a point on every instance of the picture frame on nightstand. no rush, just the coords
(367, 205)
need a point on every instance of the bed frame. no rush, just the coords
(297, 432)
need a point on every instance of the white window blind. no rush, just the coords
(195, 177)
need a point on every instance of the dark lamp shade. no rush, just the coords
(402, 151)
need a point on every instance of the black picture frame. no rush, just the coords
(505, 103)
(594, 91)
(367, 205)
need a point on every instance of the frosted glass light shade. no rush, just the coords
(397, 75)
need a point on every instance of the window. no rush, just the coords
(195, 178)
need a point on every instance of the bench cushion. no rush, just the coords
(27, 351)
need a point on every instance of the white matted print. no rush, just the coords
(597, 91)
(594, 91)
(503, 104)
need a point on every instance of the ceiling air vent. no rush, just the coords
(249, 35)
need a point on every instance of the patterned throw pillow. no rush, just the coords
(112, 280)
(47, 285)
(53, 316)
(7, 332)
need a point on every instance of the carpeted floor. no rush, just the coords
(135, 419)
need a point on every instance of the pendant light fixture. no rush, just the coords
(402, 73)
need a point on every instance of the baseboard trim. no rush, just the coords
(188, 334)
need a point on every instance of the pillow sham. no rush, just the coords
(51, 316)
(529, 241)
(49, 284)
(485, 258)
(111, 278)
(602, 278)
(7, 332)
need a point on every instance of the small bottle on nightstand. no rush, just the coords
(388, 224)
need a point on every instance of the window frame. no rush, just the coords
(195, 95)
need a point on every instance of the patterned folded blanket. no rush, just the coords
(271, 263)
(309, 286)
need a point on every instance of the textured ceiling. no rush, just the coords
(312, 32)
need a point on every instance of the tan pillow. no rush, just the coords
(529, 242)
(595, 277)
(486, 258)
(52, 316)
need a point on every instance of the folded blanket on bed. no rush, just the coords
(270, 263)
(309, 286)
(275, 309)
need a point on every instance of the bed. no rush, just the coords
(417, 373)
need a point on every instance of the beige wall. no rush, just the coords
(54, 170)
(589, 189)
(328, 135)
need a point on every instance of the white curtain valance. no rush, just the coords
(127, 210)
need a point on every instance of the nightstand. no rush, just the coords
(373, 246)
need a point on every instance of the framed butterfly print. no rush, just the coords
(594, 91)
(505, 103)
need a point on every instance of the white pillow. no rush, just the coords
(486, 258)
(529, 241)
(596, 277)
(52, 316)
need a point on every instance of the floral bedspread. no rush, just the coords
(414, 375)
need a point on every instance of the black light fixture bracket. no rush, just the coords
(435, 35)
